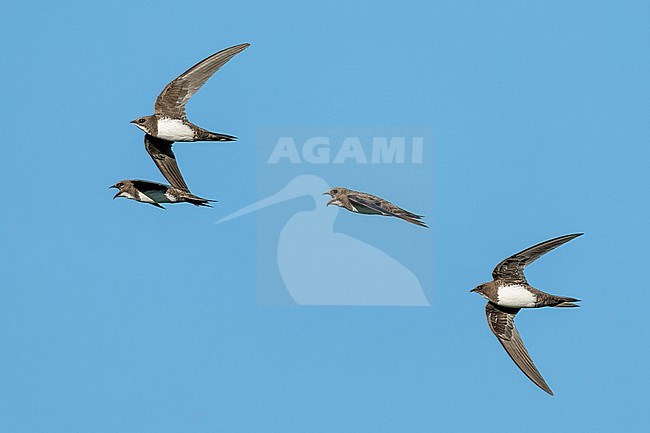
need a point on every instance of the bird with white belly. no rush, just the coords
(509, 292)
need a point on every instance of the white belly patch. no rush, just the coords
(174, 130)
(515, 296)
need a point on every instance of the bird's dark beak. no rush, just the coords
(117, 195)
(475, 289)
(330, 194)
(133, 121)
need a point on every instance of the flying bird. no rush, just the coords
(169, 121)
(361, 202)
(509, 292)
(155, 193)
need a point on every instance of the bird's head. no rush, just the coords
(336, 194)
(146, 123)
(481, 290)
(121, 186)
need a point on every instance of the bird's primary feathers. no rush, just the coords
(161, 152)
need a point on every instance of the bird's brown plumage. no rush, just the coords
(502, 323)
(172, 100)
(509, 279)
(362, 202)
(512, 269)
(138, 188)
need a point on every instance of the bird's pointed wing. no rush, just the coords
(502, 323)
(161, 152)
(384, 207)
(171, 101)
(512, 268)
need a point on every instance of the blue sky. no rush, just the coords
(116, 316)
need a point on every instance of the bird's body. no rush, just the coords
(171, 129)
(155, 193)
(169, 122)
(521, 295)
(368, 204)
(509, 292)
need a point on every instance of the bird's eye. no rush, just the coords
(335, 191)
(141, 120)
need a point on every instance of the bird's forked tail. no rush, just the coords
(565, 301)
(205, 135)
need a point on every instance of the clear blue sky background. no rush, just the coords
(119, 317)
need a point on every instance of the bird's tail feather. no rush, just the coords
(413, 220)
(204, 135)
(198, 201)
(565, 301)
